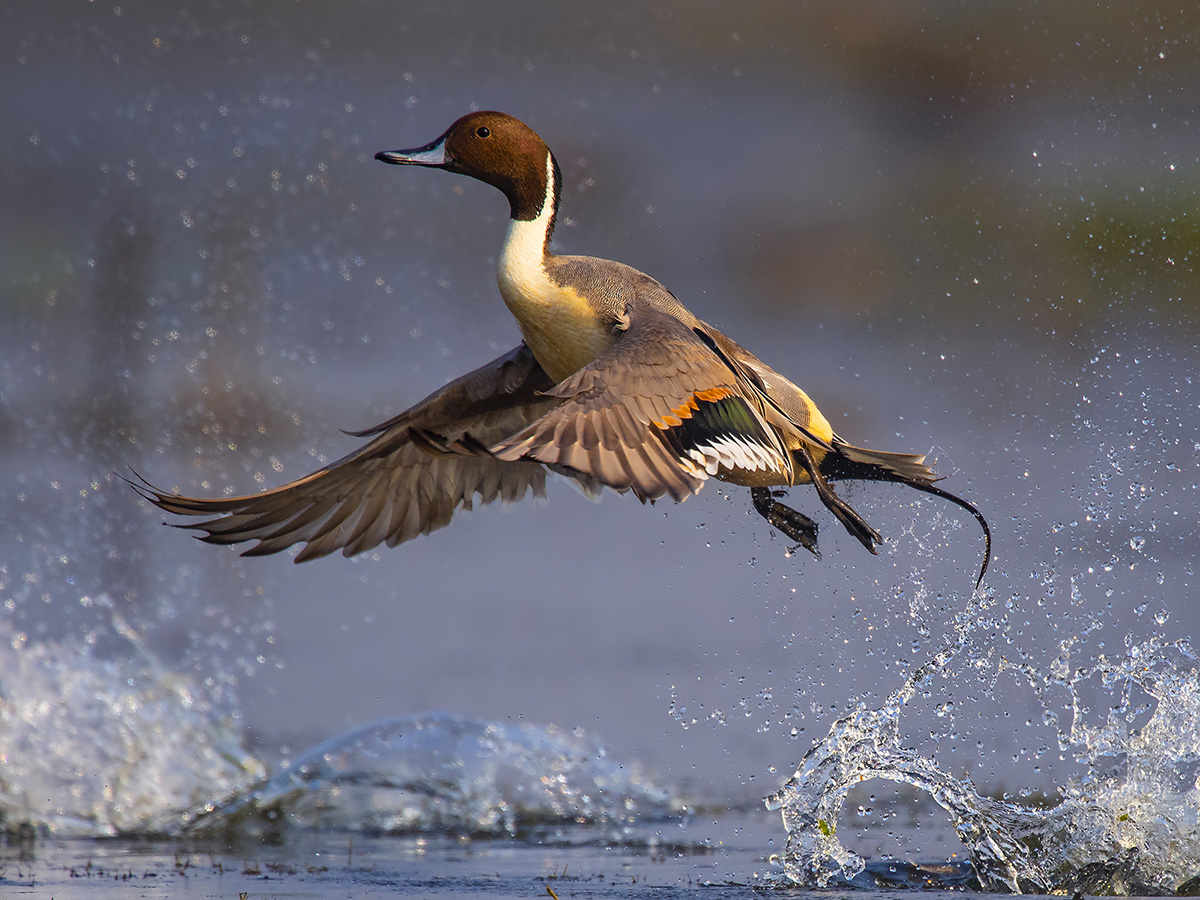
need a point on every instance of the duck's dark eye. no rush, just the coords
(483, 131)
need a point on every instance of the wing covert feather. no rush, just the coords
(618, 413)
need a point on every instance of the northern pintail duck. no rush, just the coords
(615, 384)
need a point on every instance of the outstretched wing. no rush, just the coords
(657, 414)
(393, 488)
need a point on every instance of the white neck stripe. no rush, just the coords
(521, 259)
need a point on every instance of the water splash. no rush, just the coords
(443, 773)
(93, 747)
(867, 744)
(1135, 806)
(1129, 823)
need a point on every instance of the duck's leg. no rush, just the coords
(796, 525)
(855, 524)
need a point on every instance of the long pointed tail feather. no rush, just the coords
(849, 463)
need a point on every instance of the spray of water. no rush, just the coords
(1128, 823)
(96, 746)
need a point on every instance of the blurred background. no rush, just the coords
(968, 229)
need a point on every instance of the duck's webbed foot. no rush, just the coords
(796, 525)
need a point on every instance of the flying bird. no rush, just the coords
(615, 384)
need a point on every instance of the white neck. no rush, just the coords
(525, 246)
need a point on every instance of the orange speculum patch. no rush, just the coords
(679, 413)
